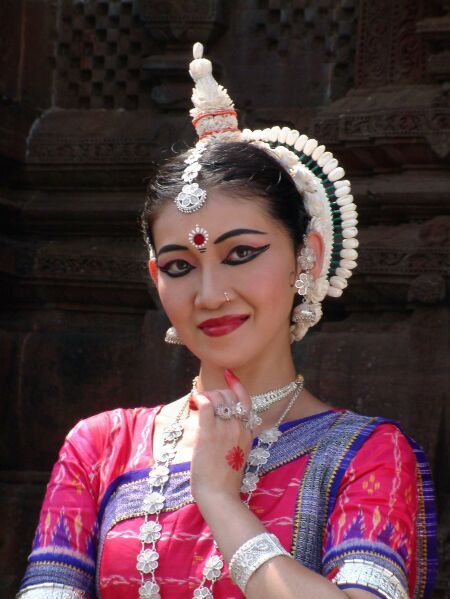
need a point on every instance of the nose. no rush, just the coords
(210, 292)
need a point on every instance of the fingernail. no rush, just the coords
(192, 404)
(230, 377)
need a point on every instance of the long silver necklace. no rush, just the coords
(154, 501)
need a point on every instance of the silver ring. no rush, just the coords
(224, 412)
(239, 411)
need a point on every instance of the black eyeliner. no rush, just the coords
(256, 252)
(165, 270)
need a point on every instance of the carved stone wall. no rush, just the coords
(98, 56)
(94, 92)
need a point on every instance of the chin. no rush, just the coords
(230, 355)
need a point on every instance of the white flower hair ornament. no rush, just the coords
(315, 171)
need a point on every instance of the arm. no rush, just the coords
(215, 486)
(232, 524)
(62, 561)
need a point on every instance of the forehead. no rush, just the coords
(221, 212)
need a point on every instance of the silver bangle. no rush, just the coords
(51, 590)
(253, 554)
(364, 573)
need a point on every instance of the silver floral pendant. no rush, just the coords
(203, 593)
(213, 568)
(190, 198)
(149, 590)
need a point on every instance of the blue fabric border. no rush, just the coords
(362, 587)
(42, 573)
(62, 558)
(430, 516)
(361, 548)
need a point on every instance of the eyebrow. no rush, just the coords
(235, 232)
(171, 248)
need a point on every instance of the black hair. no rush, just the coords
(233, 166)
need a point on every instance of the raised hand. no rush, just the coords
(223, 441)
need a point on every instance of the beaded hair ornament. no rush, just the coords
(314, 170)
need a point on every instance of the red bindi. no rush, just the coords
(199, 238)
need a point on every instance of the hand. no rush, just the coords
(222, 446)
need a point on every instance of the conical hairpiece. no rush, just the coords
(213, 115)
(314, 170)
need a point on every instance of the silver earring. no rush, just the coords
(306, 261)
(172, 337)
(307, 257)
(303, 283)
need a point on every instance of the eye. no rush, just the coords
(176, 268)
(244, 253)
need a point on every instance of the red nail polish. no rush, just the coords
(192, 404)
(230, 377)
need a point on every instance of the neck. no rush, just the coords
(259, 376)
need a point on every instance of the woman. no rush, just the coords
(248, 484)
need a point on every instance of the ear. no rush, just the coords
(316, 243)
(153, 270)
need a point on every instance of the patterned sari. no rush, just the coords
(349, 496)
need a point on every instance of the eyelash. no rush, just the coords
(253, 253)
(166, 268)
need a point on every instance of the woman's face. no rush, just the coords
(249, 256)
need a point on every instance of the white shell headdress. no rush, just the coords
(315, 171)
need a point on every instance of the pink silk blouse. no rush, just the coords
(345, 494)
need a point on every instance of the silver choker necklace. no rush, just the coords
(263, 401)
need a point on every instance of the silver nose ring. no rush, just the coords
(227, 297)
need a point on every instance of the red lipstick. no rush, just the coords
(216, 327)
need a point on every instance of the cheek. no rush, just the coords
(172, 298)
(273, 288)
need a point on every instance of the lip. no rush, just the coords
(216, 327)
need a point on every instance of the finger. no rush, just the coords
(238, 389)
(221, 400)
(206, 417)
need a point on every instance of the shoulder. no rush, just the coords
(358, 442)
(106, 428)
(375, 444)
(361, 429)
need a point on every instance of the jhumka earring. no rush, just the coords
(172, 337)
